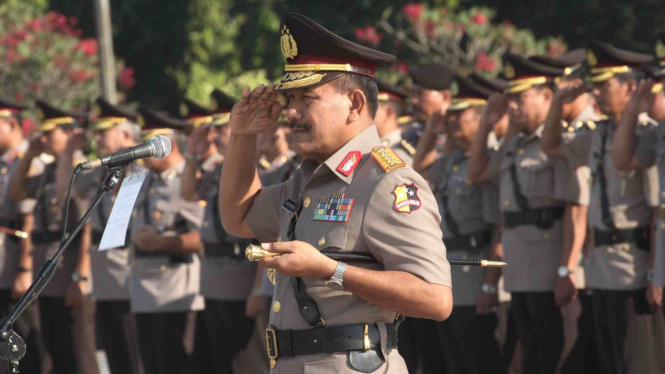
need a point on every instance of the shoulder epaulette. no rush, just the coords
(408, 147)
(591, 124)
(264, 163)
(387, 158)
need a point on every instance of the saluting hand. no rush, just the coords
(437, 124)
(299, 259)
(495, 108)
(570, 93)
(256, 111)
(198, 142)
(642, 96)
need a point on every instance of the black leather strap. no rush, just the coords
(474, 241)
(521, 200)
(600, 177)
(641, 236)
(442, 192)
(542, 218)
(331, 339)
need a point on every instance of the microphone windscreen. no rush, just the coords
(162, 146)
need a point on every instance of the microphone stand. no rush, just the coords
(12, 346)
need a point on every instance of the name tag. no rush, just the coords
(290, 206)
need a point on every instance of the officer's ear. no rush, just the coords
(447, 96)
(358, 104)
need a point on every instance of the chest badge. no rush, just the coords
(349, 163)
(406, 198)
(334, 209)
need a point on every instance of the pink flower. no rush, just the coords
(506, 22)
(413, 11)
(369, 35)
(34, 25)
(479, 19)
(402, 67)
(461, 27)
(430, 28)
(20, 34)
(18, 97)
(88, 46)
(78, 75)
(449, 26)
(126, 78)
(485, 63)
(11, 56)
(73, 21)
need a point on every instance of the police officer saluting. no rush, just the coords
(350, 194)
(621, 208)
(226, 275)
(66, 306)
(164, 280)
(391, 100)
(15, 248)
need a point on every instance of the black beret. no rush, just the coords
(523, 73)
(495, 85)
(572, 62)
(389, 92)
(10, 108)
(51, 117)
(606, 61)
(110, 115)
(437, 77)
(315, 55)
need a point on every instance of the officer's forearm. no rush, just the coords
(551, 140)
(17, 190)
(574, 232)
(623, 143)
(477, 170)
(239, 184)
(190, 181)
(83, 263)
(25, 244)
(187, 243)
(400, 292)
(425, 154)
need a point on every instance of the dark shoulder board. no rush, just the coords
(407, 147)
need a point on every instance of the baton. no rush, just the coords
(16, 233)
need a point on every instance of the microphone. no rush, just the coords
(158, 146)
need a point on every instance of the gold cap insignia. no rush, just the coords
(509, 71)
(40, 114)
(591, 57)
(660, 49)
(140, 121)
(454, 88)
(289, 47)
(184, 109)
(213, 104)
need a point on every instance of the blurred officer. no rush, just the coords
(577, 115)
(468, 335)
(165, 276)
(621, 209)
(391, 101)
(16, 268)
(533, 192)
(350, 194)
(66, 306)
(115, 129)
(226, 275)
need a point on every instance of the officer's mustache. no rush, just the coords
(300, 125)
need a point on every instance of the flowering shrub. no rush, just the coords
(467, 40)
(46, 58)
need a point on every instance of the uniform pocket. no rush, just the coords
(328, 236)
(335, 364)
(538, 177)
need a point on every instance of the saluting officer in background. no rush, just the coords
(165, 275)
(226, 275)
(350, 194)
(16, 265)
(391, 100)
(66, 306)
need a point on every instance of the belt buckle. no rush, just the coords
(271, 336)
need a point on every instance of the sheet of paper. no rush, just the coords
(116, 227)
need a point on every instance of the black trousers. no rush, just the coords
(583, 358)
(69, 335)
(420, 346)
(222, 333)
(539, 329)
(611, 313)
(116, 329)
(469, 344)
(164, 343)
(27, 327)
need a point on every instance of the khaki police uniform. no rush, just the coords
(404, 149)
(226, 276)
(466, 212)
(11, 217)
(375, 226)
(163, 286)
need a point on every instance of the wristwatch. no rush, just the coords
(77, 276)
(336, 283)
(489, 289)
(563, 271)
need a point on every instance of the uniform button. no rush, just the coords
(626, 247)
(520, 152)
(307, 202)
(162, 267)
(547, 236)
(1, 241)
(459, 191)
(618, 225)
(205, 224)
(280, 239)
(276, 306)
(662, 225)
(54, 201)
(151, 191)
(455, 168)
(506, 203)
(322, 242)
(3, 171)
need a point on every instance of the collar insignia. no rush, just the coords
(349, 163)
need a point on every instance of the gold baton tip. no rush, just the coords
(256, 253)
(492, 264)
(21, 234)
